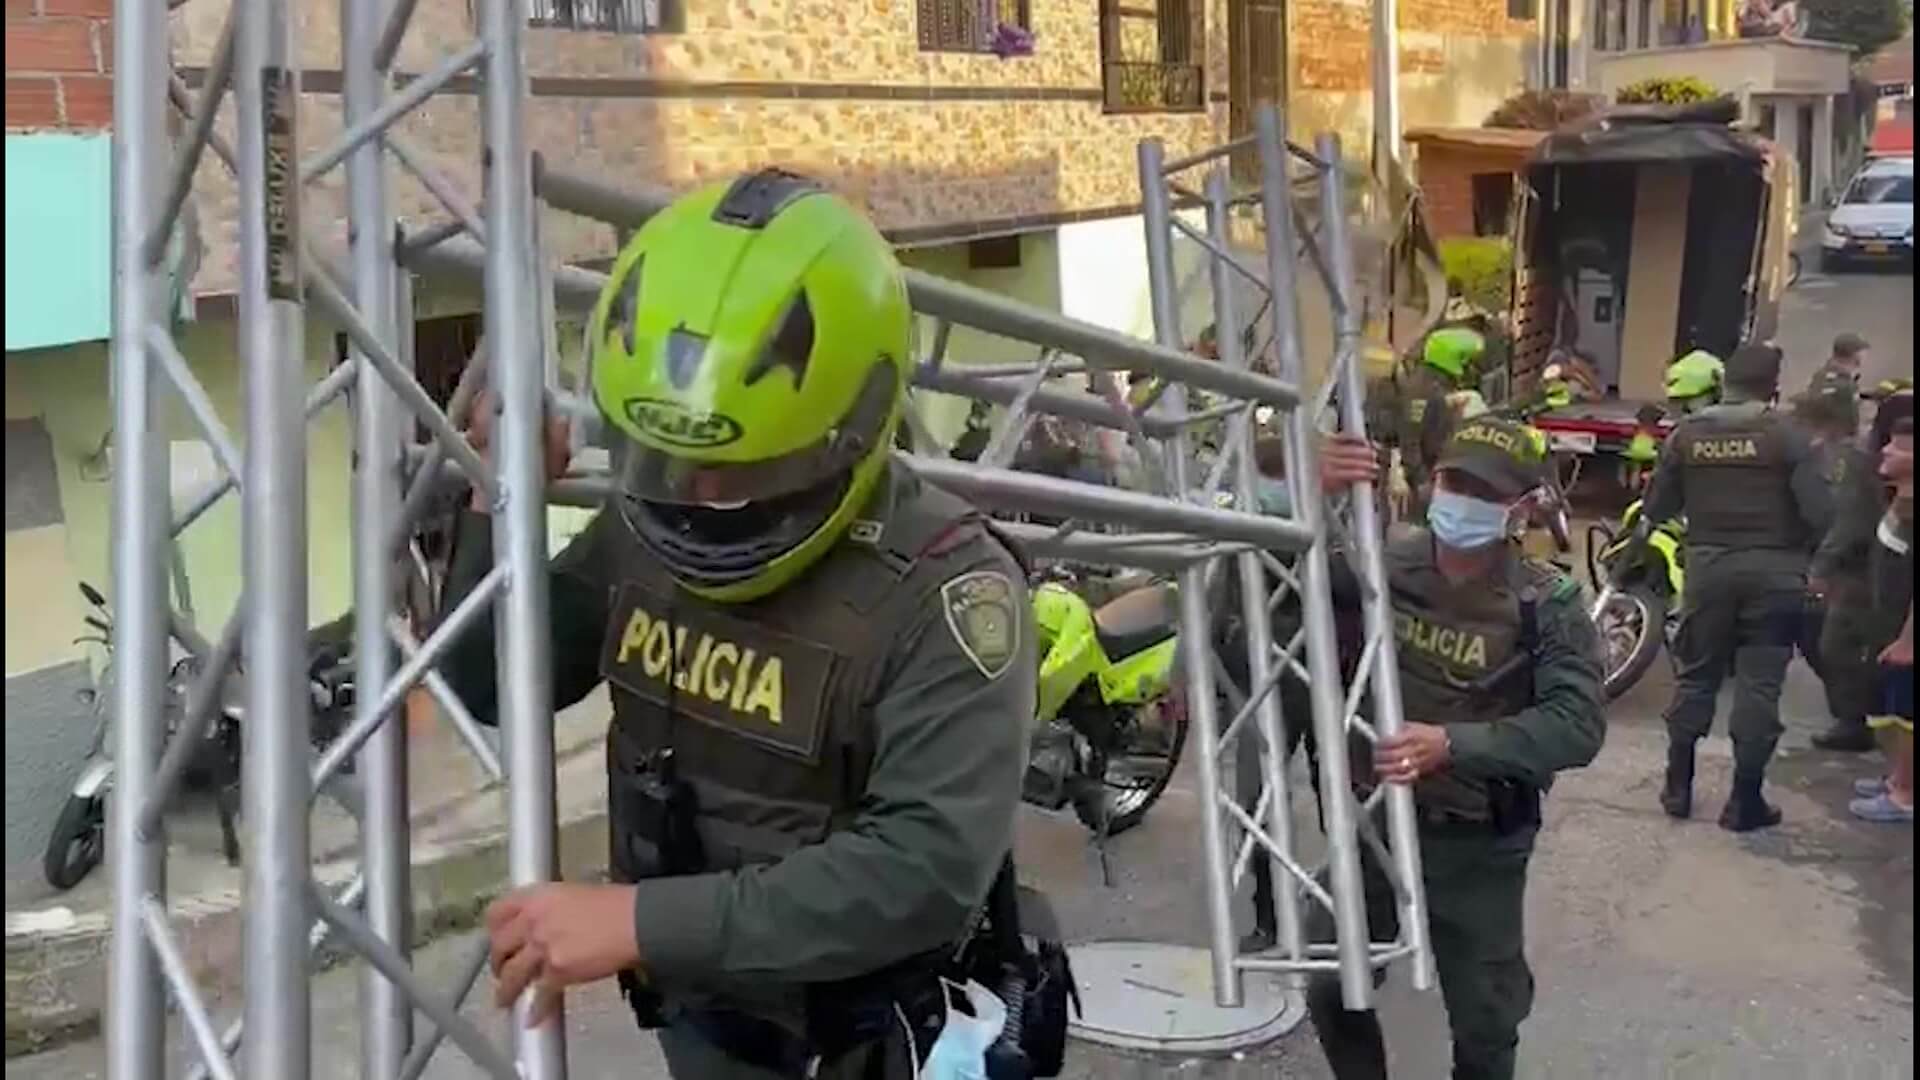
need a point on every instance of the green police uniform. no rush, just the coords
(822, 670)
(1510, 664)
(1750, 484)
(854, 743)
(1849, 657)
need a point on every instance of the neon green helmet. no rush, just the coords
(752, 344)
(1453, 350)
(1696, 375)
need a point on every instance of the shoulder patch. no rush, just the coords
(979, 611)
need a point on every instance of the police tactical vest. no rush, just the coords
(1421, 389)
(766, 706)
(1456, 645)
(1737, 476)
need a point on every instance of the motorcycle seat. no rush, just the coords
(1135, 621)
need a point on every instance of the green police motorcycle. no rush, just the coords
(1638, 580)
(1111, 720)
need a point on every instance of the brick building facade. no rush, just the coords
(940, 141)
(59, 65)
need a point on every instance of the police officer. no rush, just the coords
(1418, 399)
(1749, 481)
(1500, 682)
(1844, 361)
(1836, 577)
(822, 670)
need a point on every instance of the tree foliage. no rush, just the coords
(1867, 25)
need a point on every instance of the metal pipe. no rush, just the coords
(206, 109)
(1323, 662)
(199, 405)
(435, 181)
(274, 533)
(371, 125)
(416, 1062)
(455, 710)
(136, 1037)
(375, 352)
(386, 1017)
(392, 33)
(319, 397)
(1074, 406)
(1196, 637)
(1402, 830)
(394, 966)
(203, 698)
(525, 674)
(1253, 597)
(174, 967)
(970, 306)
(1007, 489)
(395, 689)
(1182, 164)
(411, 245)
(1386, 86)
(317, 935)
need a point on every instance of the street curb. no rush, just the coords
(57, 977)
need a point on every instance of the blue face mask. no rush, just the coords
(1464, 523)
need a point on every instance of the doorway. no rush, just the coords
(1256, 72)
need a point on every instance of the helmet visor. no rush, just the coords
(651, 474)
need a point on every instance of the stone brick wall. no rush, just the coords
(934, 144)
(1446, 179)
(59, 65)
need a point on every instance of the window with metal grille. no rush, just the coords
(1152, 55)
(605, 16)
(968, 25)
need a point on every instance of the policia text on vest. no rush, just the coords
(811, 792)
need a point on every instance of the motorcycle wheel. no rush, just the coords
(1632, 629)
(78, 842)
(1134, 782)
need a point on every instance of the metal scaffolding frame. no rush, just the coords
(284, 266)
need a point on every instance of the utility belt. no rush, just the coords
(863, 1013)
(1511, 807)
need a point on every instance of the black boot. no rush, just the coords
(1676, 796)
(1747, 809)
(1849, 736)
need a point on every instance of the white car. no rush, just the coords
(1874, 217)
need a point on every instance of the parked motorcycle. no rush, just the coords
(1638, 581)
(77, 843)
(1111, 721)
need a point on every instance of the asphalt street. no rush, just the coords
(1660, 949)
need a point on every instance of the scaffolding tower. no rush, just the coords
(284, 266)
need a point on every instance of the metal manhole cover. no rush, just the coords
(1157, 997)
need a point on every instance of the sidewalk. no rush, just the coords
(57, 944)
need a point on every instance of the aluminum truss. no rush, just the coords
(284, 267)
(1235, 834)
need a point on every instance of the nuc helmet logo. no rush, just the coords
(676, 425)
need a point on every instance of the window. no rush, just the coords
(968, 25)
(1152, 55)
(1884, 189)
(1492, 201)
(605, 16)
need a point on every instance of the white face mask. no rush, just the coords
(960, 1053)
